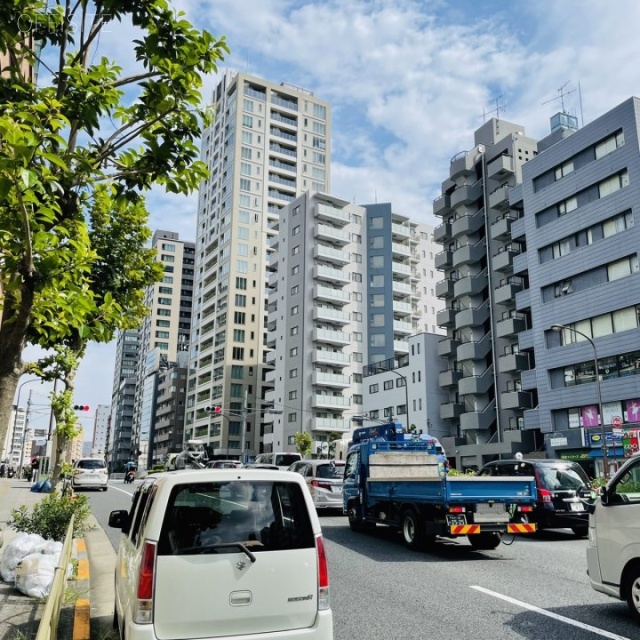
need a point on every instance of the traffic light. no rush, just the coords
(81, 407)
(216, 411)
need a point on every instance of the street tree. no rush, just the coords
(78, 151)
(303, 442)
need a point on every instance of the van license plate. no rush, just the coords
(456, 519)
(577, 506)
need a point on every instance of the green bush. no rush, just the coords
(50, 517)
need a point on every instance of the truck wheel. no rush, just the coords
(581, 531)
(412, 529)
(631, 590)
(355, 520)
(485, 541)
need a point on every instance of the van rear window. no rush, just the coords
(286, 459)
(91, 464)
(209, 517)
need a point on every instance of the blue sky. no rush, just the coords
(409, 81)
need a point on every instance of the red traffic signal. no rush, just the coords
(217, 410)
(81, 407)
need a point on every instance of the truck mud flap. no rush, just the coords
(522, 527)
(472, 529)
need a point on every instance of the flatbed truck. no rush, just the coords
(404, 484)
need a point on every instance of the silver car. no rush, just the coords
(324, 479)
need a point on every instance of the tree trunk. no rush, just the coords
(13, 331)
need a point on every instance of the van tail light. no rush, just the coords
(457, 509)
(544, 495)
(321, 485)
(525, 508)
(323, 575)
(143, 605)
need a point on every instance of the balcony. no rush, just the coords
(400, 346)
(449, 377)
(285, 151)
(442, 205)
(471, 285)
(521, 263)
(402, 328)
(518, 228)
(333, 358)
(335, 296)
(333, 215)
(516, 400)
(402, 308)
(328, 274)
(271, 339)
(510, 326)
(443, 259)
(511, 362)
(473, 316)
(523, 299)
(470, 253)
(506, 292)
(328, 314)
(270, 377)
(400, 231)
(331, 234)
(503, 260)
(451, 410)
(401, 288)
(335, 380)
(331, 337)
(525, 339)
(501, 228)
(446, 317)
(475, 349)
(531, 419)
(332, 255)
(466, 194)
(462, 164)
(400, 269)
(400, 250)
(442, 233)
(330, 424)
(468, 223)
(476, 385)
(270, 358)
(447, 347)
(321, 401)
(479, 420)
(499, 199)
(444, 288)
(500, 168)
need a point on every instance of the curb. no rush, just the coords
(82, 606)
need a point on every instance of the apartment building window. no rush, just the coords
(241, 283)
(166, 301)
(388, 412)
(357, 316)
(237, 371)
(293, 395)
(356, 257)
(319, 111)
(376, 281)
(613, 184)
(357, 378)
(377, 340)
(247, 121)
(164, 346)
(400, 382)
(295, 289)
(357, 399)
(294, 331)
(242, 266)
(237, 353)
(376, 262)
(356, 277)
(401, 409)
(168, 247)
(164, 312)
(292, 417)
(162, 334)
(564, 170)
(241, 300)
(568, 205)
(388, 384)
(356, 238)
(356, 296)
(167, 258)
(247, 138)
(163, 323)
(357, 336)
(296, 250)
(357, 357)
(245, 169)
(376, 222)
(376, 242)
(374, 388)
(355, 218)
(238, 335)
(239, 317)
(293, 352)
(295, 270)
(608, 145)
(296, 230)
(167, 279)
(293, 373)
(245, 184)
(236, 390)
(375, 414)
(377, 319)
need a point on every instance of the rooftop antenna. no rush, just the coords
(562, 94)
(500, 107)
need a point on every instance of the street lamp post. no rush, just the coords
(605, 459)
(406, 390)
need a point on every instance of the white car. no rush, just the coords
(222, 553)
(90, 473)
(613, 554)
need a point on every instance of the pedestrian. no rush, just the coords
(3, 469)
(35, 468)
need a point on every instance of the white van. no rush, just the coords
(283, 460)
(222, 553)
(613, 554)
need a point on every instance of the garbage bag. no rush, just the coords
(18, 548)
(43, 486)
(35, 573)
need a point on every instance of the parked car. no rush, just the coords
(281, 459)
(90, 473)
(613, 554)
(259, 465)
(562, 487)
(325, 479)
(242, 547)
(224, 464)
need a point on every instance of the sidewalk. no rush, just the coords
(88, 609)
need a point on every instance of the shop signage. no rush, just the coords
(558, 442)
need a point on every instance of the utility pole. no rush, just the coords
(24, 433)
(245, 424)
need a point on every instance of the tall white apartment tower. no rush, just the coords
(267, 144)
(100, 430)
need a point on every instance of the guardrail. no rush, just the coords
(48, 627)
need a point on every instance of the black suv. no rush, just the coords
(561, 487)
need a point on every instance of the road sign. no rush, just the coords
(616, 422)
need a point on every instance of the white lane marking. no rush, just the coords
(111, 486)
(555, 616)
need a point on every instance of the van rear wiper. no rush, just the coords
(209, 548)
